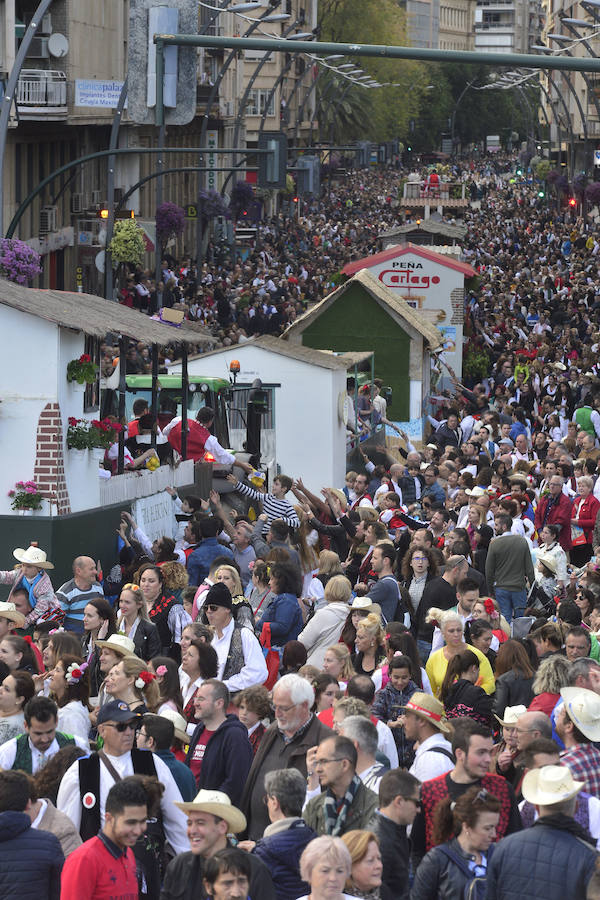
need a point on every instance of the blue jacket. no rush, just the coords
(199, 562)
(183, 777)
(281, 854)
(227, 758)
(283, 612)
(30, 860)
(541, 863)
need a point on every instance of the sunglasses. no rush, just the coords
(130, 587)
(213, 607)
(123, 726)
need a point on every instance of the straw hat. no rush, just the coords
(430, 709)
(511, 715)
(366, 605)
(477, 491)
(340, 496)
(217, 804)
(546, 559)
(583, 709)
(9, 611)
(549, 785)
(33, 556)
(118, 643)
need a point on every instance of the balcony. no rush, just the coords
(42, 95)
(445, 194)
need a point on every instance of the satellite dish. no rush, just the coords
(58, 45)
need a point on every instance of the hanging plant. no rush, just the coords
(212, 205)
(104, 432)
(18, 261)
(170, 222)
(127, 245)
(592, 192)
(242, 197)
(82, 370)
(78, 434)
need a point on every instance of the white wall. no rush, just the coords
(311, 441)
(27, 385)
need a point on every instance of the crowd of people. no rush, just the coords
(387, 689)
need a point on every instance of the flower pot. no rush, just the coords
(25, 512)
(78, 388)
(98, 453)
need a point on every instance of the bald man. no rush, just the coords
(75, 594)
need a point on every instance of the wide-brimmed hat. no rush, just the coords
(178, 721)
(477, 491)
(550, 785)
(511, 715)
(118, 643)
(217, 804)
(9, 611)
(548, 560)
(366, 605)
(430, 709)
(583, 708)
(33, 556)
(340, 496)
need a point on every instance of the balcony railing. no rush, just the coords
(42, 94)
(446, 192)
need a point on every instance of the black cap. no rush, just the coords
(219, 595)
(115, 711)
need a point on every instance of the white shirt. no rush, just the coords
(386, 743)
(188, 687)
(73, 718)
(36, 822)
(8, 753)
(429, 764)
(255, 667)
(175, 822)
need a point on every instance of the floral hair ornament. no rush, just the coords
(489, 607)
(130, 586)
(143, 679)
(75, 672)
(57, 631)
(161, 671)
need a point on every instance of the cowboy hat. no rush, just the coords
(550, 785)
(178, 721)
(340, 495)
(583, 708)
(9, 611)
(118, 643)
(428, 708)
(217, 804)
(546, 559)
(33, 556)
(477, 491)
(511, 715)
(366, 605)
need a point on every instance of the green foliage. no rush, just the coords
(375, 114)
(476, 363)
(541, 169)
(127, 245)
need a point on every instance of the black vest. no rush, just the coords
(89, 783)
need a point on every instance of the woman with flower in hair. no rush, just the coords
(129, 680)
(487, 608)
(69, 687)
(167, 678)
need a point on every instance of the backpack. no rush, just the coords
(444, 751)
(475, 888)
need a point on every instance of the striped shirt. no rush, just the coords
(274, 508)
(73, 602)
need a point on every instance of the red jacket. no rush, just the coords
(560, 514)
(586, 512)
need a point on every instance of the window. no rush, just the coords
(257, 101)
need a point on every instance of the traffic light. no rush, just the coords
(519, 172)
(541, 194)
(119, 213)
(294, 200)
(102, 214)
(272, 165)
(572, 201)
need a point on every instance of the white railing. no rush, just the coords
(41, 91)
(133, 485)
(444, 190)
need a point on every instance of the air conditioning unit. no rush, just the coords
(96, 198)
(38, 49)
(119, 193)
(46, 27)
(77, 204)
(48, 216)
(228, 108)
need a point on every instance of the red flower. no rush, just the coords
(85, 358)
(76, 673)
(489, 606)
(73, 421)
(147, 677)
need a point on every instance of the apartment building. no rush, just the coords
(65, 103)
(507, 26)
(457, 25)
